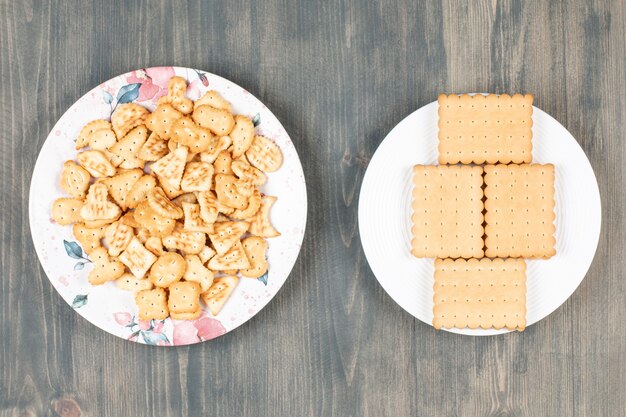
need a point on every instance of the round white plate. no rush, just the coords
(385, 217)
(112, 309)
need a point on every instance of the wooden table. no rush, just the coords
(339, 75)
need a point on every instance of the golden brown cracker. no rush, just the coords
(198, 176)
(255, 248)
(223, 163)
(126, 117)
(184, 297)
(162, 119)
(261, 224)
(228, 191)
(216, 146)
(218, 121)
(235, 258)
(168, 269)
(97, 206)
(89, 238)
(104, 268)
(152, 304)
(128, 282)
(208, 206)
(102, 139)
(162, 205)
(138, 191)
(242, 135)
(247, 172)
(154, 149)
(176, 89)
(186, 133)
(157, 225)
(226, 234)
(83, 137)
(120, 185)
(128, 147)
(219, 292)
(117, 237)
(171, 167)
(96, 163)
(197, 272)
(190, 243)
(154, 245)
(264, 154)
(193, 220)
(213, 99)
(137, 258)
(74, 179)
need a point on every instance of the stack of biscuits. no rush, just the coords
(483, 211)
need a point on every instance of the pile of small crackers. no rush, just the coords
(166, 203)
(483, 211)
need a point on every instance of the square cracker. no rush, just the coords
(447, 212)
(483, 129)
(519, 211)
(481, 293)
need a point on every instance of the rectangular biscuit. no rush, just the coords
(480, 293)
(519, 211)
(447, 212)
(485, 129)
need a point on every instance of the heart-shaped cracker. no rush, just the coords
(226, 234)
(254, 204)
(184, 297)
(171, 167)
(102, 139)
(219, 292)
(137, 258)
(128, 282)
(117, 237)
(83, 137)
(152, 304)
(242, 135)
(74, 179)
(162, 119)
(162, 205)
(193, 220)
(248, 173)
(97, 206)
(96, 164)
(120, 185)
(214, 99)
(154, 149)
(128, 147)
(235, 258)
(176, 89)
(228, 193)
(168, 269)
(217, 145)
(208, 206)
(157, 225)
(255, 248)
(261, 224)
(223, 163)
(186, 133)
(89, 239)
(198, 176)
(104, 269)
(219, 121)
(190, 243)
(264, 154)
(126, 117)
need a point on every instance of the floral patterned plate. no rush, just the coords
(67, 265)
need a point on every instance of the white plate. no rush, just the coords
(112, 309)
(385, 217)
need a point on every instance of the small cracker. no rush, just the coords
(162, 205)
(193, 220)
(128, 147)
(152, 304)
(171, 167)
(220, 291)
(255, 248)
(138, 192)
(137, 258)
(126, 117)
(170, 191)
(247, 172)
(235, 258)
(242, 135)
(102, 139)
(157, 225)
(176, 89)
(206, 253)
(198, 176)
(129, 219)
(217, 145)
(480, 293)
(447, 212)
(197, 272)
(219, 121)
(96, 163)
(264, 154)
(89, 238)
(214, 99)
(483, 129)
(184, 297)
(154, 149)
(168, 269)
(97, 206)
(186, 133)
(74, 179)
(185, 198)
(128, 282)
(143, 234)
(154, 245)
(162, 119)
(117, 237)
(190, 243)
(254, 204)
(226, 234)
(66, 211)
(208, 206)
(83, 137)
(519, 211)
(261, 224)
(120, 185)
(228, 191)
(104, 268)
(223, 163)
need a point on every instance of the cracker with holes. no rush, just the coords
(235, 258)
(186, 133)
(74, 179)
(216, 146)
(137, 258)
(117, 237)
(226, 234)
(104, 268)
(197, 272)
(242, 135)
(223, 163)
(248, 173)
(255, 248)
(228, 191)
(176, 89)
(206, 254)
(185, 198)
(193, 221)
(208, 206)
(485, 129)
(152, 304)
(264, 154)
(219, 292)
(218, 121)
(519, 211)
(184, 297)
(154, 149)
(261, 223)
(138, 191)
(447, 219)
(120, 185)
(128, 147)
(97, 206)
(102, 139)
(162, 119)
(89, 238)
(183, 240)
(214, 99)
(128, 282)
(168, 269)
(96, 163)
(171, 167)
(159, 202)
(480, 293)
(126, 117)
(66, 211)
(85, 134)
(154, 245)
(254, 204)
(198, 176)
(148, 218)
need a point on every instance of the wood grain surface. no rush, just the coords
(339, 76)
